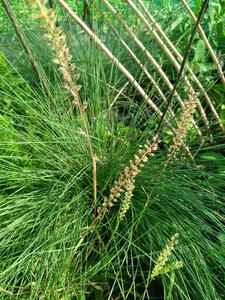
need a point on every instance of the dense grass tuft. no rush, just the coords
(51, 246)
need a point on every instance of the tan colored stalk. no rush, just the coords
(57, 42)
(202, 34)
(149, 57)
(142, 67)
(179, 56)
(114, 60)
(151, 79)
(120, 92)
(171, 58)
(120, 66)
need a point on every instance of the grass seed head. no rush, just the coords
(125, 182)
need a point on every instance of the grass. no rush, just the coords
(46, 200)
(46, 207)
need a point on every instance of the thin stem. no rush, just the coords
(173, 60)
(26, 47)
(180, 58)
(63, 59)
(115, 61)
(183, 64)
(94, 167)
(202, 34)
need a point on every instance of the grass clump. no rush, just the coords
(47, 247)
(54, 243)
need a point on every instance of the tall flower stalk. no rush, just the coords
(57, 42)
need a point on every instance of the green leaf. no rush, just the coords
(176, 23)
(215, 157)
(200, 51)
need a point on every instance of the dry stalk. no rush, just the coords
(115, 61)
(130, 51)
(151, 79)
(120, 92)
(150, 58)
(57, 42)
(179, 56)
(204, 38)
(171, 57)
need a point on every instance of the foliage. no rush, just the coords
(50, 246)
(45, 208)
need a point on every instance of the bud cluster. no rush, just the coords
(126, 180)
(183, 124)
